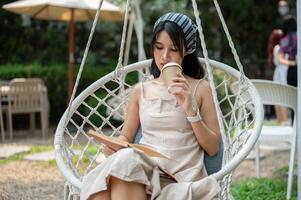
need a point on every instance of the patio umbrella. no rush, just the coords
(69, 11)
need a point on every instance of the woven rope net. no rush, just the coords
(102, 109)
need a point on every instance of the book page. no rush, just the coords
(112, 142)
(147, 150)
(117, 144)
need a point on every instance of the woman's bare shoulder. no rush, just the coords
(137, 88)
(202, 88)
(204, 84)
(200, 85)
(136, 91)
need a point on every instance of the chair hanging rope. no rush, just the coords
(119, 64)
(83, 61)
(231, 44)
(208, 68)
(123, 39)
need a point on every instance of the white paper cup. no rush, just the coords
(169, 71)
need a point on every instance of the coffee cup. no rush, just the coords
(169, 71)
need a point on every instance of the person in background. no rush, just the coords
(280, 72)
(288, 46)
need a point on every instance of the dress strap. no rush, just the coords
(196, 86)
(142, 90)
(194, 101)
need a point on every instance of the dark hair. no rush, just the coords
(191, 65)
(289, 24)
(274, 39)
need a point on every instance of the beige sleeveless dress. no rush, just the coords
(166, 129)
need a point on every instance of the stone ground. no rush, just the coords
(33, 180)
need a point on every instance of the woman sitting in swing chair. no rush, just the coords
(171, 124)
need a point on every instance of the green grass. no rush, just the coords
(33, 149)
(262, 189)
(49, 163)
(284, 170)
(43, 148)
(272, 122)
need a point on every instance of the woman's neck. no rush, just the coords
(160, 78)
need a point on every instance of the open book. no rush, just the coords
(116, 144)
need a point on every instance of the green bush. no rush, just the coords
(262, 189)
(55, 78)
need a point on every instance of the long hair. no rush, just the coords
(274, 39)
(191, 65)
(289, 24)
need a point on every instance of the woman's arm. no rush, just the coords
(131, 122)
(207, 130)
(284, 61)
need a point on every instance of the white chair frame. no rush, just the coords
(281, 95)
(74, 182)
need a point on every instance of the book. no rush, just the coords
(117, 144)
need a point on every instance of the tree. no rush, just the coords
(249, 22)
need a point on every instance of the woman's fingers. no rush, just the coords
(107, 150)
(180, 80)
(182, 85)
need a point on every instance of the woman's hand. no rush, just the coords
(293, 63)
(183, 94)
(107, 151)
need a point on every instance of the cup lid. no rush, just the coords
(171, 64)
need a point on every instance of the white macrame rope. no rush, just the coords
(119, 76)
(83, 61)
(208, 67)
(231, 44)
(123, 39)
(226, 137)
(139, 31)
(129, 39)
(242, 80)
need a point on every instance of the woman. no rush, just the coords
(288, 46)
(280, 73)
(171, 124)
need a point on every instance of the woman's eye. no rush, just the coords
(159, 47)
(174, 49)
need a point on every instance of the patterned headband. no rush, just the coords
(187, 26)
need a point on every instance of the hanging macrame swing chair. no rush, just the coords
(239, 110)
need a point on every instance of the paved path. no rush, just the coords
(11, 149)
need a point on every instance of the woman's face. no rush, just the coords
(165, 51)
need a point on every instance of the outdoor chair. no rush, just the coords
(281, 95)
(28, 96)
(77, 153)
